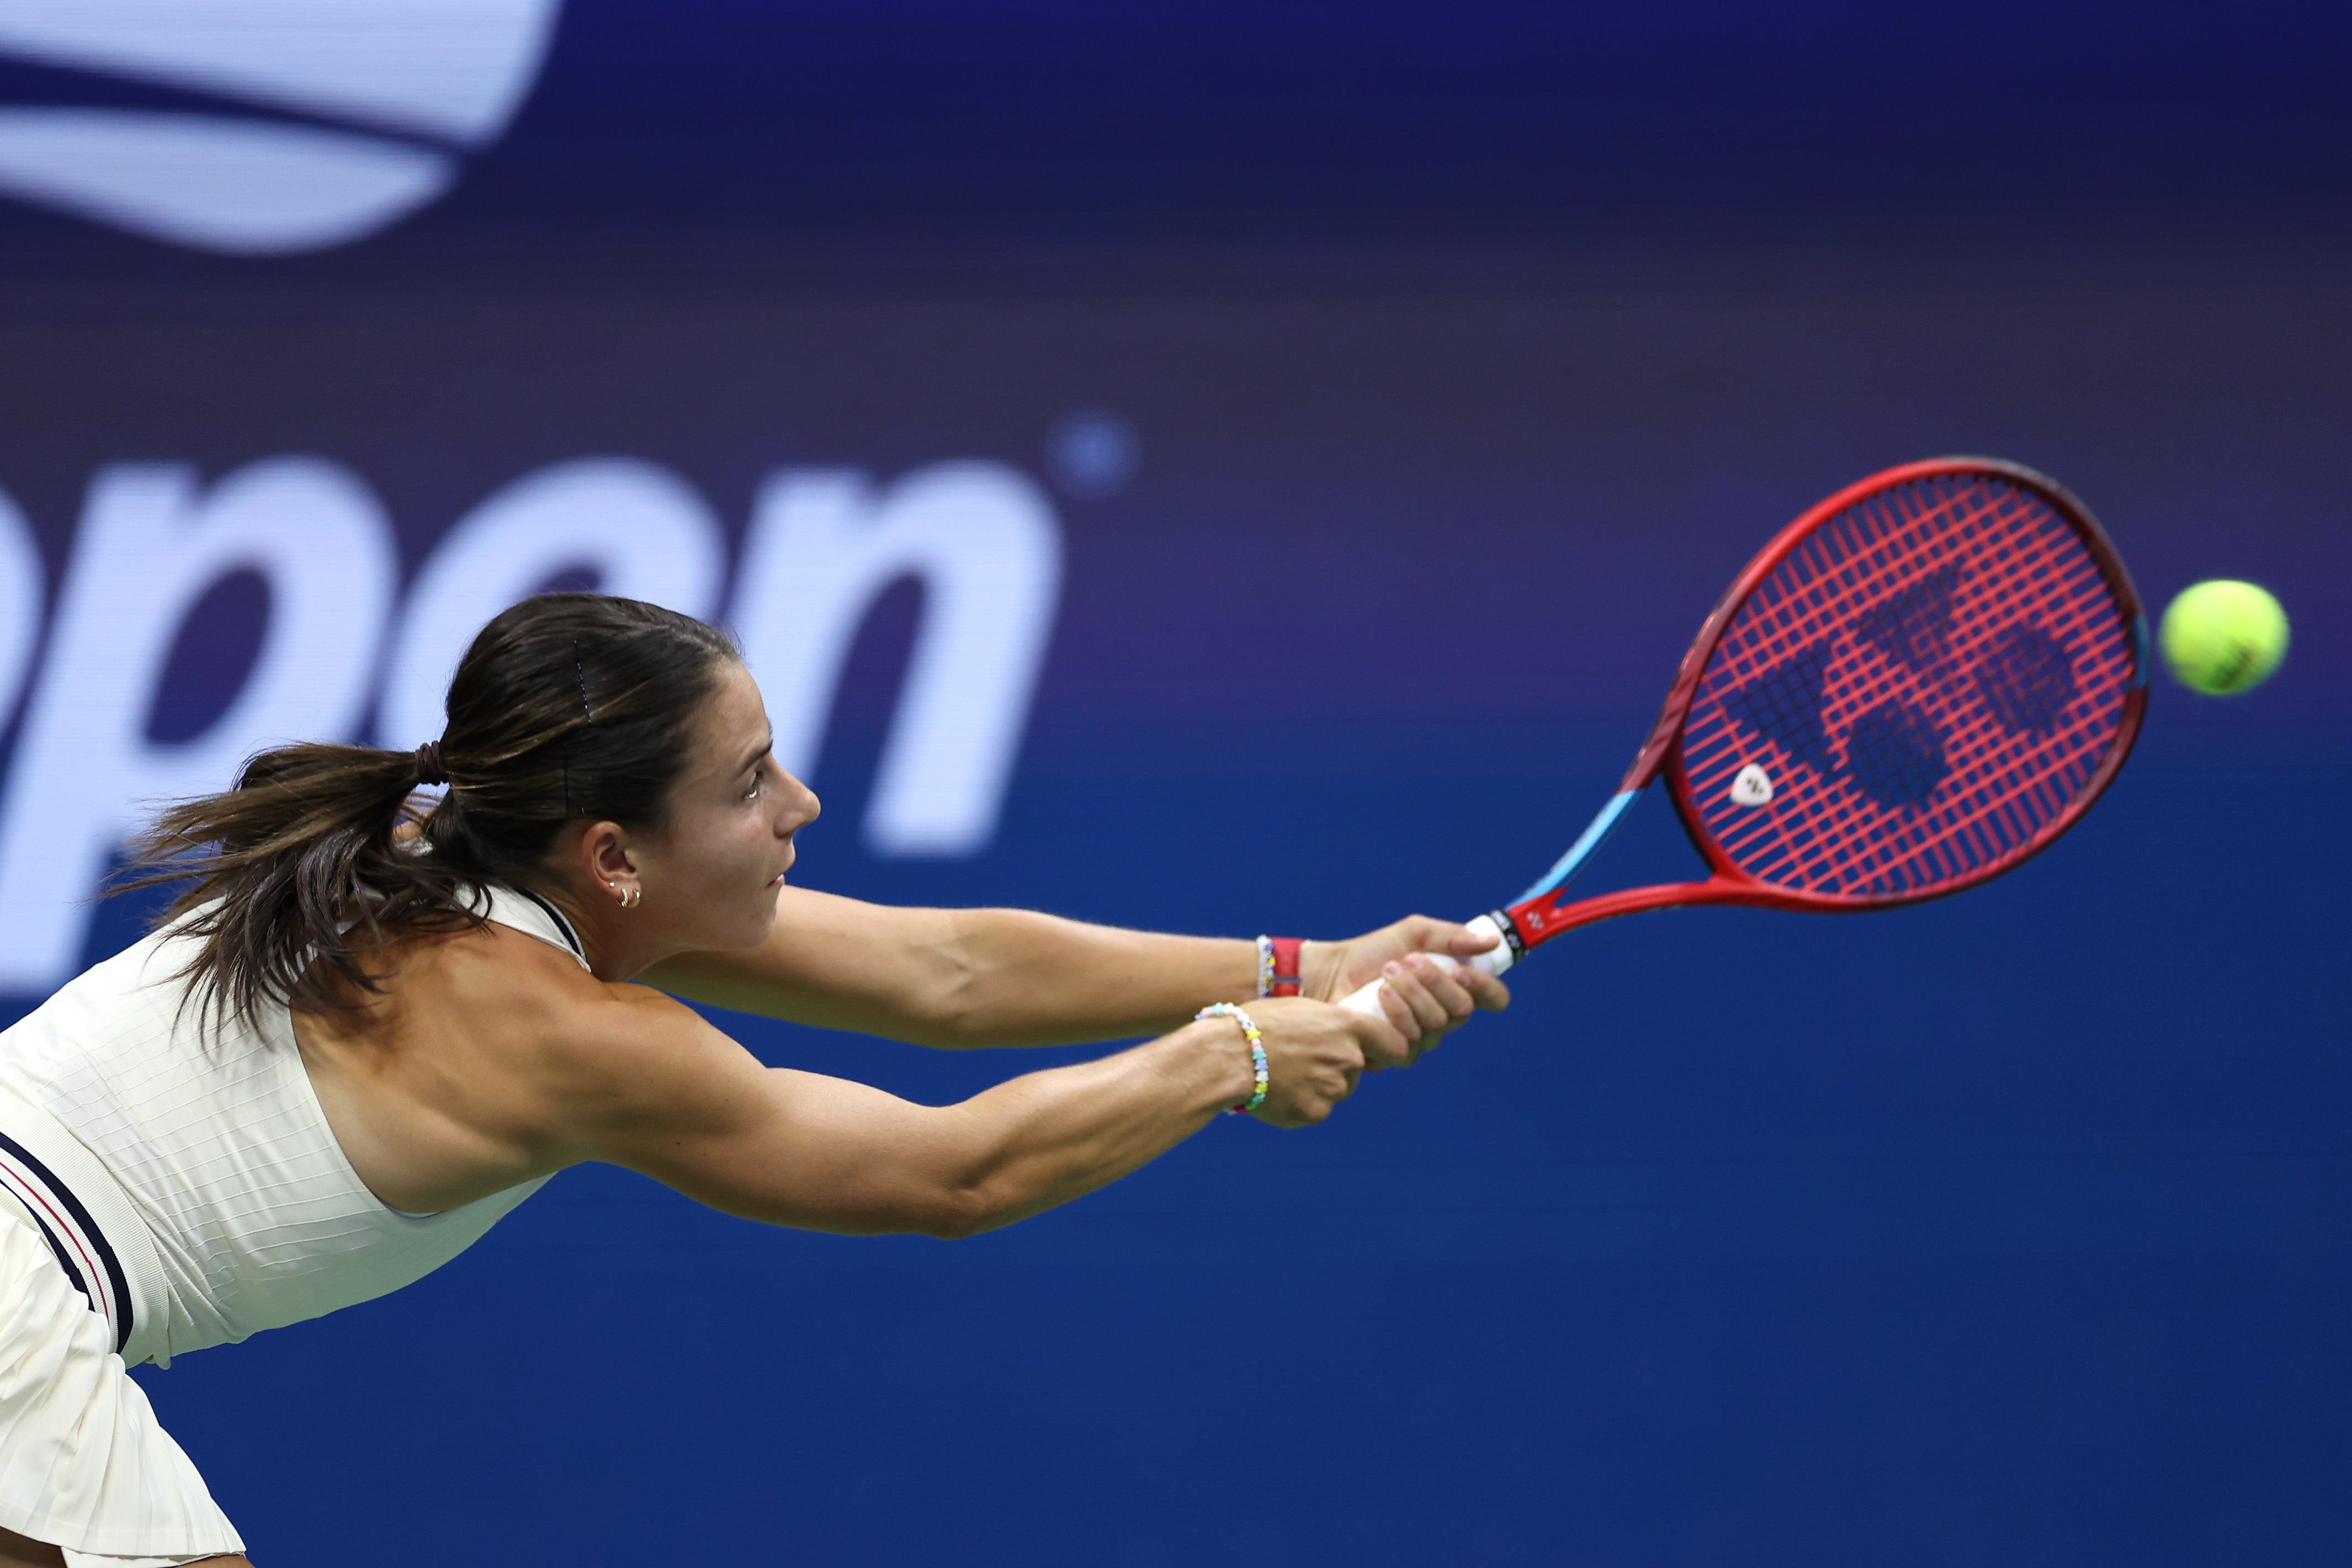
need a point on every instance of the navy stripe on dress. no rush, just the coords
(571, 938)
(89, 1227)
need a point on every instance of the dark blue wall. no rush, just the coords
(1470, 351)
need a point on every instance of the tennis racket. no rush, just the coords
(1917, 686)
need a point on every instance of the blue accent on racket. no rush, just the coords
(1564, 869)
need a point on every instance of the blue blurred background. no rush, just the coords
(1398, 384)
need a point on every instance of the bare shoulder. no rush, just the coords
(492, 1057)
(588, 1041)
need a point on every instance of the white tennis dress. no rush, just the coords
(165, 1186)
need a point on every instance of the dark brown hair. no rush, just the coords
(566, 707)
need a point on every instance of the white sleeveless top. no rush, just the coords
(186, 1174)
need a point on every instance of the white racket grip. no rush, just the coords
(1493, 961)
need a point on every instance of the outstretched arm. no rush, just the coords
(664, 1094)
(962, 978)
(958, 978)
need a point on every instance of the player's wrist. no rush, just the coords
(1213, 1058)
(1253, 1040)
(1320, 969)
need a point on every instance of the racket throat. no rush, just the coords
(1535, 920)
(1594, 838)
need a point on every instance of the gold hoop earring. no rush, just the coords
(632, 898)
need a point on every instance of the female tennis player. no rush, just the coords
(360, 1038)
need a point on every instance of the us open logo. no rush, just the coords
(346, 638)
(262, 127)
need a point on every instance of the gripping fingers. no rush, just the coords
(1487, 992)
(1419, 1016)
(1382, 1041)
(1317, 1053)
(1452, 985)
(1315, 1091)
(1426, 997)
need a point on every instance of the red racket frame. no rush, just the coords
(1543, 916)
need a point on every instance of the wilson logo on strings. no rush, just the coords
(262, 127)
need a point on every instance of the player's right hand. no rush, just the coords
(1315, 1052)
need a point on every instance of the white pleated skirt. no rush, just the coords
(83, 1463)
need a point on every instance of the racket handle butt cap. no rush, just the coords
(1493, 961)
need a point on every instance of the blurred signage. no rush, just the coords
(263, 126)
(342, 640)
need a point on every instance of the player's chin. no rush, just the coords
(760, 919)
(746, 925)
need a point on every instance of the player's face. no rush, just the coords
(714, 869)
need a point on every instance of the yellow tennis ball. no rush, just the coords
(2221, 637)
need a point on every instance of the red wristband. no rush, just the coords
(1284, 980)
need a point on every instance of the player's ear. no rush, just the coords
(604, 853)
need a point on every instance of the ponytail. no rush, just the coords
(295, 875)
(567, 706)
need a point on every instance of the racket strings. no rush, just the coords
(1926, 683)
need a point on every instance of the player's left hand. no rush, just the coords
(1421, 999)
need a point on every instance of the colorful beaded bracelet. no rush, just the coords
(1258, 1051)
(1266, 966)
